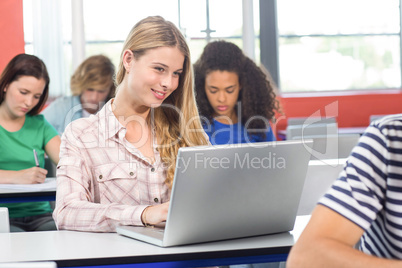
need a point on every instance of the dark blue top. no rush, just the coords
(219, 133)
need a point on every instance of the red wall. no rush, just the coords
(352, 109)
(11, 31)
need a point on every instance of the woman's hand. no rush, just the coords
(31, 176)
(153, 215)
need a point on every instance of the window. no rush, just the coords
(189, 15)
(47, 34)
(107, 24)
(307, 45)
(336, 45)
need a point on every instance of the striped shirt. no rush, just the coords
(368, 191)
(102, 179)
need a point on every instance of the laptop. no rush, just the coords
(232, 191)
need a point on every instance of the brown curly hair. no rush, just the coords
(257, 97)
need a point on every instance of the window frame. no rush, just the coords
(269, 46)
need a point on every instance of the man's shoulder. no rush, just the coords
(390, 124)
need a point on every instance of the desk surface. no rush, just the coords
(28, 192)
(70, 248)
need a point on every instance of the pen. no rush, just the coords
(36, 158)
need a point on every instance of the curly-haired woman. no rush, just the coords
(234, 96)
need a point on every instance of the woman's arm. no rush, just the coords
(34, 174)
(154, 215)
(24, 176)
(77, 202)
(52, 149)
(328, 241)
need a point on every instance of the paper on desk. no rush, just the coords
(48, 185)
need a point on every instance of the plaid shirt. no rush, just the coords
(102, 179)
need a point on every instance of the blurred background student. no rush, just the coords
(234, 96)
(24, 88)
(91, 86)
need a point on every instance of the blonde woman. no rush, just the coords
(91, 87)
(117, 167)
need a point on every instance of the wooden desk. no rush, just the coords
(25, 193)
(72, 249)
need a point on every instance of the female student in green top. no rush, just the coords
(24, 88)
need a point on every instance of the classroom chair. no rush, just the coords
(51, 173)
(50, 167)
(306, 120)
(298, 132)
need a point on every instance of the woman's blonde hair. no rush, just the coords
(176, 121)
(95, 71)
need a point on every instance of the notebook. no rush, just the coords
(224, 192)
